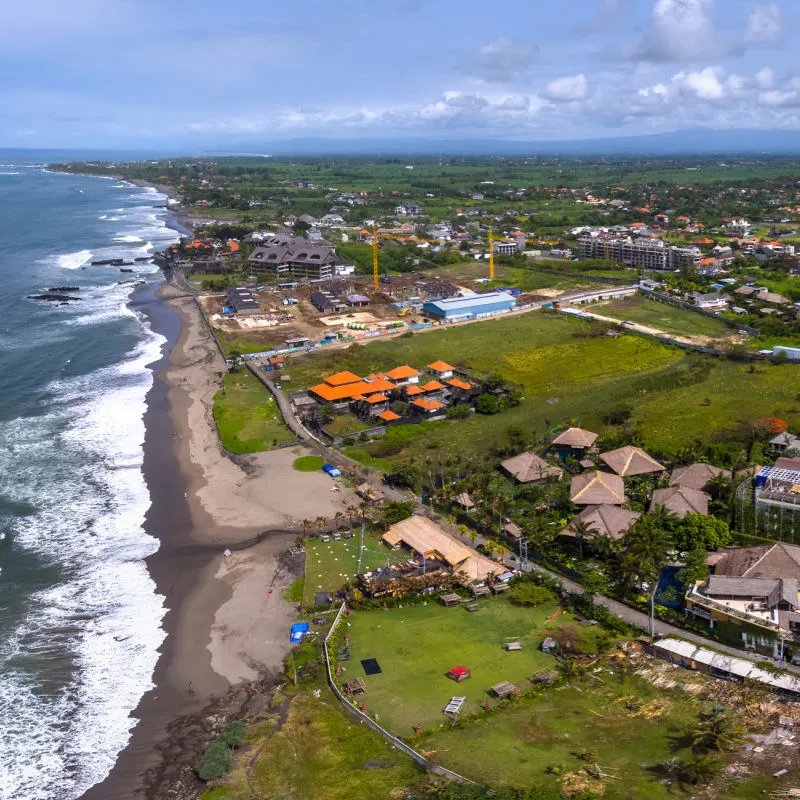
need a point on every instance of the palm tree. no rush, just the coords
(338, 518)
(584, 532)
(320, 522)
(472, 536)
(462, 529)
(715, 730)
(351, 511)
(305, 524)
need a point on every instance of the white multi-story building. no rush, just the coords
(646, 253)
(738, 226)
(505, 247)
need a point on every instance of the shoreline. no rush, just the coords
(226, 620)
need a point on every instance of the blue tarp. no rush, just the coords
(331, 470)
(298, 629)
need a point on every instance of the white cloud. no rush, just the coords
(501, 60)
(569, 89)
(765, 23)
(705, 84)
(779, 99)
(681, 30)
(765, 78)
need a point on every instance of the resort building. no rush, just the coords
(424, 537)
(608, 520)
(597, 488)
(630, 460)
(530, 468)
(298, 257)
(756, 588)
(680, 501)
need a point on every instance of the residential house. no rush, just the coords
(605, 520)
(785, 443)
(326, 303)
(574, 440)
(357, 300)
(738, 226)
(404, 376)
(505, 247)
(630, 460)
(680, 500)
(441, 369)
(597, 488)
(530, 468)
(242, 301)
(756, 587)
(428, 409)
(710, 302)
(696, 476)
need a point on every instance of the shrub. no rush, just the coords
(487, 404)
(530, 594)
(233, 734)
(216, 761)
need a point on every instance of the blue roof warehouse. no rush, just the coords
(470, 306)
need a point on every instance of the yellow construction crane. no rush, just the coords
(491, 255)
(409, 239)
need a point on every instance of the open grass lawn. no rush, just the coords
(515, 745)
(330, 564)
(662, 316)
(308, 463)
(247, 416)
(417, 645)
(344, 424)
(729, 395)
(317, 753)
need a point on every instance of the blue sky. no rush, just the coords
(118, 73)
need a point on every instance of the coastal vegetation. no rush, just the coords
(247, 417)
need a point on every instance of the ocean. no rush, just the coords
(80, 619)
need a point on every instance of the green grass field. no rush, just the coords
(662, 316)
(566, 376)
(417, 645)
(329, 565)
(308, 463)
(247, 417)
(517, 745)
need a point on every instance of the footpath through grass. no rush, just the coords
(247, 416)
(671, 319)
(416, 646)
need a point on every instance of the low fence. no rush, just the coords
(393, 740)
(339, 438)
(673, 301)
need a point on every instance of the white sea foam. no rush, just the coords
(10, 173)
(128, 238)
(94, 634)
(74, 260)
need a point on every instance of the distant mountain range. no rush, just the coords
(695, 141)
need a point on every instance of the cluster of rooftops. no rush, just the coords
(346, 387)
(602, 493)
